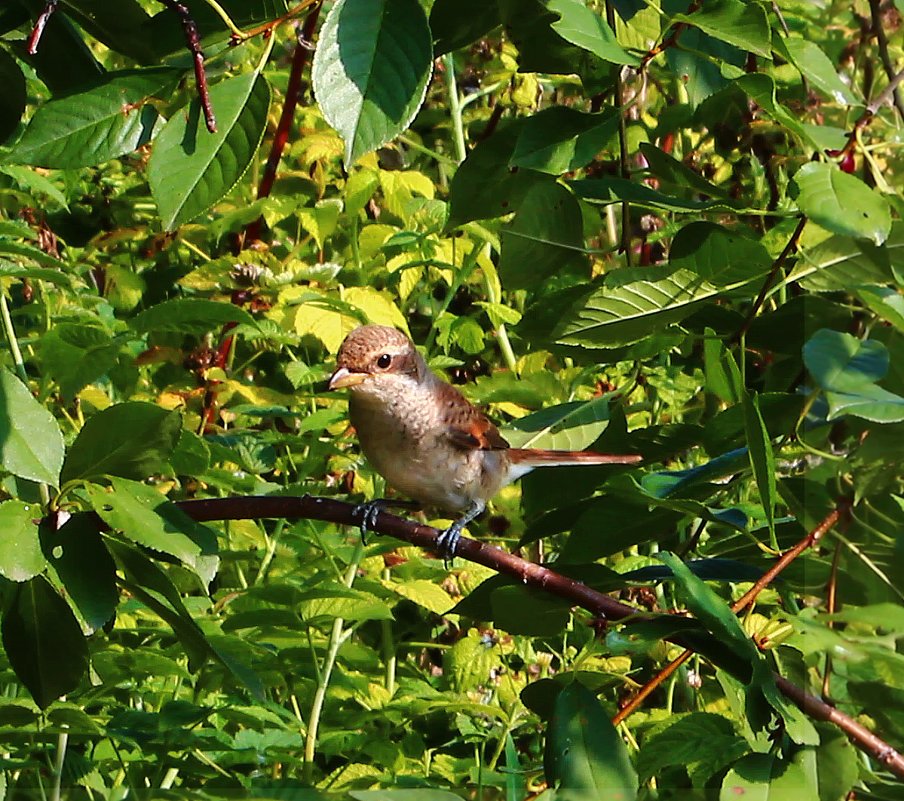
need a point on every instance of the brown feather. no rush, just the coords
(540, 457)
(468, 427)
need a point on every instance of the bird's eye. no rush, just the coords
(384, 361)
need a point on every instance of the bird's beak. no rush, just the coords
(343, 377)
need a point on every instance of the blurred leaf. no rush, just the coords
(76, 355)
(368, 88)
(31, 445)
(762, 458)
(560, 139)
(585, 755)
(13, 99)
(767, 777)
(588, 30)
(456, 23)
(842, 203)
(735, 22)
(43, 641)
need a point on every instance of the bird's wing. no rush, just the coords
(468, 427)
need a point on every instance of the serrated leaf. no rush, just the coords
(43, 641)
(190, 168)
(189, 315)
(585, 755)
(146, 517)
(371, 69)
(842, 203)
(587, 29)
(102, 122)
(31, 445)
(132, 440)
(743, 25)
(21, 557)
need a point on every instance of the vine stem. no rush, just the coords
(461, 149)
(624, 167)
(528, 573)
(337, 638)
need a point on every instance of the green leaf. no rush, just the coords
(31, 445)
(718, 255)
(13, 97)
(669, 169)
(132, 440)
(371, 70)
(840, 263)
(76, 355)
(560, 139)
(189, 315)
(585, 755)
(743, 25)
(767, 777)
(569, 426)
(840, 362)
(610, 189)
(105, 121)
(723, 378)
(149, 519)
(545, 237)
(456, 23)
(885, 302)
(20, 549)
(842, 203)
(868, 403)
(588, 30)
(819, 70)
(701, 741)
(762, 458)
(43, 641)
(633, 303)
(83, 566)
(484, 185)
(190, 168)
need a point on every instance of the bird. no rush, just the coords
(425, 438)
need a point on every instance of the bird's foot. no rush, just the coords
(368, 512)
(447, 542)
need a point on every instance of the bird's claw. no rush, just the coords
(447, 542)
(368, 513)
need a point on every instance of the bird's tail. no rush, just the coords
(536, 457)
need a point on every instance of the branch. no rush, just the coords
(190, 29)
(882, 40)
(281, 137)
(38, 30)
(789, 248)
(528, 573)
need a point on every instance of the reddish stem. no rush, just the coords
(40, 23)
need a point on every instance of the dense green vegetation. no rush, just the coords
(667, 228)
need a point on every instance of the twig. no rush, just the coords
(669, 41)
(34, 39)
(193, 40)
(267, 28)
(528, 573)
(281, 137)
(624, 168)
(738, 606)
(882, 40)
(777, 265)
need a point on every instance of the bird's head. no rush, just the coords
(376, 360)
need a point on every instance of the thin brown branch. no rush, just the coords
(671, 39)
(193, 40)
(624, 167)
(831, 606)
(38, 30)
(597, 603)
(777, 265)
(283, 127)
(875, 11)
(267, 28)
(740, 605)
